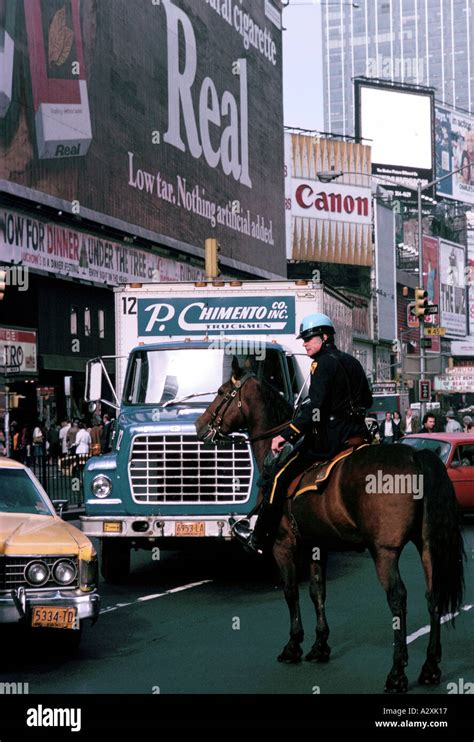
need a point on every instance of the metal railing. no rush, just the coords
(62, 476)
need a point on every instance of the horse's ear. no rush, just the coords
(236, 370)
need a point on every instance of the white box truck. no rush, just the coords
(175, 343)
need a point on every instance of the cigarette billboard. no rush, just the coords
(163, 116)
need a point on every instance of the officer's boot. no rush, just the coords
(263, 535)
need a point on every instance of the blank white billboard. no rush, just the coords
(398, 126)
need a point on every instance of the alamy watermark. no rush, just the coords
(394, 484)
(240, 346)
(403, 68)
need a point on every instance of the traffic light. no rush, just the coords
(421, 301)
(3, 283)
(212, 249)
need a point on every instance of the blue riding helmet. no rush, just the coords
(315, 324)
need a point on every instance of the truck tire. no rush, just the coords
(115, 562)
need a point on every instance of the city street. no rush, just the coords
(215, 624)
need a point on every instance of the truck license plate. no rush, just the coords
(191, 529)
(53, 618)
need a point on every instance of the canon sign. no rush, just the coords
(332, 202)
(233, 150)
(338, 202)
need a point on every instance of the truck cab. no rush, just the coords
(160, 485)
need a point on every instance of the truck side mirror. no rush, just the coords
(93, 390)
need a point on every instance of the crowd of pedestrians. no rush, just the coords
(32, 443)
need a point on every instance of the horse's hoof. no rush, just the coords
(396, 684)
(290, 655)
(319, 654)
(429, 676)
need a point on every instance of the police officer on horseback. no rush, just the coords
(331, 415)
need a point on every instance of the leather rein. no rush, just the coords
(215, 433)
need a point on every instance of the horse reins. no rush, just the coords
(217, 416)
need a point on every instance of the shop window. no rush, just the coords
(87, 322)
(101, 323)
(73, 320)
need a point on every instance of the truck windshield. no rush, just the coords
(158, 376)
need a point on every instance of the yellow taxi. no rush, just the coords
(48, 568)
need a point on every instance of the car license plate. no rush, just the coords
(191, 529)
(53, 618)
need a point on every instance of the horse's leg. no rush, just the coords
(430, 672)
(386, 564)
(284, 551)
(320, 650)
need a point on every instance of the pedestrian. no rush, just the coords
(429, 423)
(396, 423)
(38, 441)
(386, 430)
(411, 424)
(71, 437)
(83, 441)
(96, 433)
(452, 425)
(465, 421)
(15, 441)
(334, 412)
(63, 433)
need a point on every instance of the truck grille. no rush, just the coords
(180, 469)
(12, 571)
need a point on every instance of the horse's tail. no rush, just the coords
(445, 540)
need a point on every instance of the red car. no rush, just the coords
(456, 450)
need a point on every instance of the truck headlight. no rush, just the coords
(89, 575)
(101, 486)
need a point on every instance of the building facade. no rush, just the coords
(423, 42)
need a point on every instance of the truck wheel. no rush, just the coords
(115, 563)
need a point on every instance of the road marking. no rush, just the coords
(144, 598)
(426, 629)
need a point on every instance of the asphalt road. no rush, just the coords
(205, 624)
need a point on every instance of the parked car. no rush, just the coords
(48, 568)
(456, 450)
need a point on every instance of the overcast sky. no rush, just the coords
(302, 66)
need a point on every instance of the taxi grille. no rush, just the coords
(12, 572)
(180, 469)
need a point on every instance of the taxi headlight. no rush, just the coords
(64, 571)
(37, 573)
(101, 486)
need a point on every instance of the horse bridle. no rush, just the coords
(214, 431)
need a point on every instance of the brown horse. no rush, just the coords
(379, 498)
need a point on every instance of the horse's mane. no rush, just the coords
(277, 408)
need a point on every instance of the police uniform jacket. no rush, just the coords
(327, 417)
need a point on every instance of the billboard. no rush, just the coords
(328, 222)
(452, 288)
(397, 122)
(43, 245)
(454, 150)
(430, 282)
(385, 272)
(163, 116)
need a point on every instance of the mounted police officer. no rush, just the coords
(333, 413)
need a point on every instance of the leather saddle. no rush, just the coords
(321, 470)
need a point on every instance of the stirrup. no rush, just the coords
(245, 536)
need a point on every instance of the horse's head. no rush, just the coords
(229, 411)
